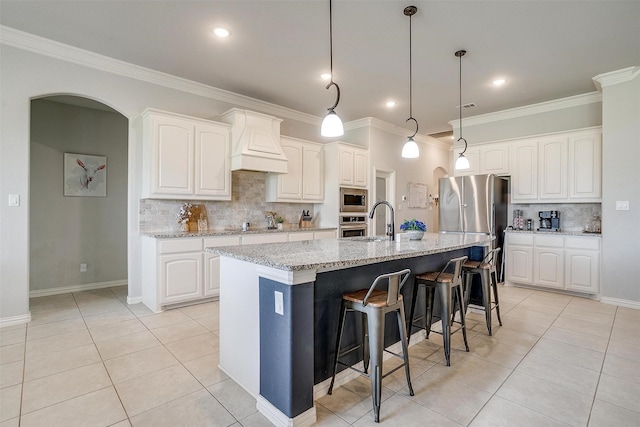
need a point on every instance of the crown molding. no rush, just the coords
(43, 46)
(616, 77)
(528, 110)
(373, 123)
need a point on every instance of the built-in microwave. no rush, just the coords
(353, 199)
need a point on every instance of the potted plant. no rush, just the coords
(279, 222)
(414, 228)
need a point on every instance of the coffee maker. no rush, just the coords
(549, 220)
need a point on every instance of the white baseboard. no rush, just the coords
(273, 414)
(76, 288)
(621, 302)
(15, 320)
(134, 300)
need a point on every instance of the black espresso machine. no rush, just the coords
(549, 220)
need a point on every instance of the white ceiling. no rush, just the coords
(277, 49)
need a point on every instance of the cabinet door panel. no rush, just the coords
(360, 166)
(553, 168)
(524, 168)
(519, 265)
(346, 166)
(212, 275)
(583, 271)
(494, 160)
(180, 277)
(313, 173)
(290, 184)
(585, 166)
(174, 158)
(213, 173)
(548, 267)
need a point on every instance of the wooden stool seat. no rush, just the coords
(476, 265)
(377, 298)
(436, 276)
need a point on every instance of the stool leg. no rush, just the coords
(486, 296)
(343, 314)
(405, 347)
(412, 311)
(376, 347)
(445, 301)
(430, 294)
(468, 280)
(494, 283)
(365, 343)
(462, 316)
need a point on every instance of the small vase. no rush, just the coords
(279, 226)
(415, 234)
(184, 226)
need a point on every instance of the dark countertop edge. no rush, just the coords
(213, 233)
(555, 233)
(335, 265)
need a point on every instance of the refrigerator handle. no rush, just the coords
(492, 220)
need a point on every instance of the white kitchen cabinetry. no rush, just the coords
(304, 180)
(548, 261)
(553, 168)
(524, 171)
(185, 157)
(582, 260)
(494, 158)
(320, 235)
(585, 166)
(353, 164)
(251, 239)
(519, 263)
(212, 263)
(564, 262)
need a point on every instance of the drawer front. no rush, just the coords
(550, 241)
(211, 242)
(300, 236)
(251, 239)
(591, 243)
(520, 239)
(166, 246)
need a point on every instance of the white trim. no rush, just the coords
(616, 77)
(278, 418)
(43, 46)
(621, 302)
(285, 276)
(15, 320)
(76, 288)
(135, 300)
(529, 110)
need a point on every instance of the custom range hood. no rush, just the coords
(255, 142)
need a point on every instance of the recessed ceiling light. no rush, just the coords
(325, 76)
(499, 82)
(221, 32)
(390, 104)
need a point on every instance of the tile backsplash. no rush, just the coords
(247, 204)
(573, 216)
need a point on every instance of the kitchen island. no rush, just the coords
(279, 309)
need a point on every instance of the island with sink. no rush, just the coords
(280, 303)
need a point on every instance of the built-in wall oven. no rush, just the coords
(353, 199)
(352, 225)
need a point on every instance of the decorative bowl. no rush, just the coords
(415, 234)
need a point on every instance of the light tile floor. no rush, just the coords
(89, 359)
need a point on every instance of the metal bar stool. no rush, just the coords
(489, 279)
(449, 286)
(375, 304)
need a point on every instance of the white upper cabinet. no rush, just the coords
(524, 171)
(354, 163)
(553, 168)
(494, 158)
(304, 181)
(585, 166)
(185, 157)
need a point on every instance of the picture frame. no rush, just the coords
(85, 175)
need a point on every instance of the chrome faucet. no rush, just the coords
(390, 226)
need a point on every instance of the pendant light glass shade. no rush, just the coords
(332, 125)
(410, 149)
(461, 162)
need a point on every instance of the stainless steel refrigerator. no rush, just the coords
(474, 204)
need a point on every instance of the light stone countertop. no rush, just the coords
(328, 254)
(560, 233)
(229, 232)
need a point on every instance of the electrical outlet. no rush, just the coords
(622, 205)
(83, 267)
(279, 303)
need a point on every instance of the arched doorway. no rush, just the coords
(78, 233)
(437, 174)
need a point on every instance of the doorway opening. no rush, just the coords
(384, 189)
(78, 194)
(437, 174)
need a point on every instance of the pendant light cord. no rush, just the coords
(410, 11)
(331, 82)
(460, 54)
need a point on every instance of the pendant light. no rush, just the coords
(461, 162)
(332, 125)
(410, 149)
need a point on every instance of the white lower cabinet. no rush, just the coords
(178, 270)
(561, 262)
